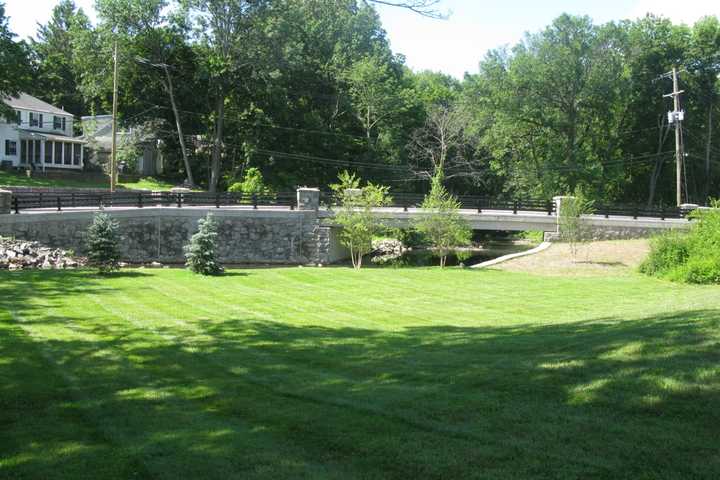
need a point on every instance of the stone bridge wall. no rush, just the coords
(159, 234)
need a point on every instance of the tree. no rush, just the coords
(374, 93)
(441, 223)
(572, 227)
(224, 28)
(355, 214)
(14, 64)
(201, 253)
(438, 150)
(426, 8)
(58, 77)
(102, 243)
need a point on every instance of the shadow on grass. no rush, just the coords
(247, 398)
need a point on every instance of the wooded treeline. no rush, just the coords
(302, 89)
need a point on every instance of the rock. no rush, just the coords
(18, 255)
(156, 265)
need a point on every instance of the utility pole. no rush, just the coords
(676, 117)
(113, 159)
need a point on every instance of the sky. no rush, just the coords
(455, 45)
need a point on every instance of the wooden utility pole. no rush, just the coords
(676, 117)
(678, 146)
(113, 159)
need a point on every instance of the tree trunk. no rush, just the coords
(215, 165)
(181, 138)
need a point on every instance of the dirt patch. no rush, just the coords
(616, 257)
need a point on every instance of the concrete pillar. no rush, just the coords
(5, 201)
(308, 198)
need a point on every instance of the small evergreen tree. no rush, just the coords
(441, 223)
(200, 253)
(103, 243)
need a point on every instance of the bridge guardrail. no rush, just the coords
(59, 201)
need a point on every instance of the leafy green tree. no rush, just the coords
(102, 243)
(58, 78)
(201, 253)
(441, 223)
(573, 229)
(355, 214)
(14, 64)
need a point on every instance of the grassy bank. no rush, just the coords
(331, 373)
(15, 179)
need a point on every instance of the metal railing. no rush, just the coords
(60, 201)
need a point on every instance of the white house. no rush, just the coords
(40, 137)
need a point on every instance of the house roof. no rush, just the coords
(28, 102)
(48, 136)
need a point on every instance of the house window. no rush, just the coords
(58, 123)
(68, 153)
(10, 148)
(48, 152)
(58, 153)
(63, 123)
(33, 120)
(19, 117)
(41, 121)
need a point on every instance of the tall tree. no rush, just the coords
(14, 64)
(58, 77)
(224, 29)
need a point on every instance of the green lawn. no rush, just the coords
(16, 179)
(330, 373)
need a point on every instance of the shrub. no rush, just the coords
(667, 251)
(252, 183)
(200, 253)
(692, 257)
(700, 270)
(103, 243)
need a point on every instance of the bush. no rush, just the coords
(200, 253)
(700, 270)
(667, 251)
(103, 243)
(692, 257)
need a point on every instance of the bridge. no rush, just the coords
(609, 221)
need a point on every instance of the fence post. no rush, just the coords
(479, 205)
(662, 212)
(179, 200)
(72, 199)
(549, 208)
(515, 207)
(41, 198)
(254, 201)
(217, 200)
(607, 211)
(16, 205)
(635, 212)
(140, 200)
(59, 203)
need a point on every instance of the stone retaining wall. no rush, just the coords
(159, 234)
